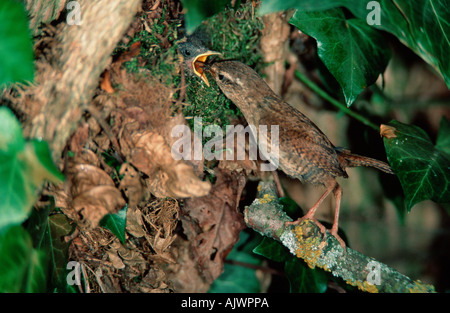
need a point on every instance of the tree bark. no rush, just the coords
(66, 85)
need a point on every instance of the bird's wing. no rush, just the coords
(308, 142)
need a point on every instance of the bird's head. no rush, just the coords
(235, 78)
(194, 56)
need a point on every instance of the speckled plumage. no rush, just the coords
(305, 152)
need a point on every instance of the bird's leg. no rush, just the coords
(334, 229)
(276, 178)
(337, 191)
(312, 211)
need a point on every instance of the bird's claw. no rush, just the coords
(322, 229)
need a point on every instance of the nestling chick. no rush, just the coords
(194, 55)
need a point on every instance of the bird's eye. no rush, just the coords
(221, 77)
(187, 52)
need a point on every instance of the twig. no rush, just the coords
(334, 102)
(305, 240)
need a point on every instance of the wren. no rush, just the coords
(305, 152)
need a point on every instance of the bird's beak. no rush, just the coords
(199, 63)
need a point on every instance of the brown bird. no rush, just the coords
(305, 152)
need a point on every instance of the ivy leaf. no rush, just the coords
(237, 278)
(301, 277)
(16, 48)
(48, 233)
(272, 250)
(11, 139)
(304, 279)
(198, 10)
(422, 168)
(269, 6)
(116, 223)
(422, 25)
(355, 53)
(443, 139)
(23, 268)
(59, 226)
(24, 166)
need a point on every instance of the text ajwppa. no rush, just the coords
(231, 303)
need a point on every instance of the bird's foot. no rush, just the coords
(322, 228)
(334, 233)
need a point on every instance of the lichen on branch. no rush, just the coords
(266, 216)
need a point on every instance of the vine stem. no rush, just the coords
(314, 87)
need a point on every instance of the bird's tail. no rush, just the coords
(348, 159)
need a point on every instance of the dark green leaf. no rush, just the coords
(272, 250)
(443, 139)
(59, 226)
(116, 223)
(269, 6)
(422, 168)
(198, 10)
(235, 277)
(290, 207)
(301, 277)
(37, 225)
(304, 279)
(22, 268)
(353, 52)
(422, 25)
(16, 49)
(48, 234)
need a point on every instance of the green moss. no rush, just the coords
(158, 52)
(235, 34)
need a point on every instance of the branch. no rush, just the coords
(266, 216)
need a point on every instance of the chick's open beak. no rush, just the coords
(199, 63)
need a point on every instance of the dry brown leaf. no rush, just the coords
(131, 257)
(387, 131)
(79, 138)
(115, 259)
(98, 201)
(131, 184)
(85, 157)
(185, 274)
(105, 82)
(168, 177)
(212, 223)
(83, 177)
(134, 222)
